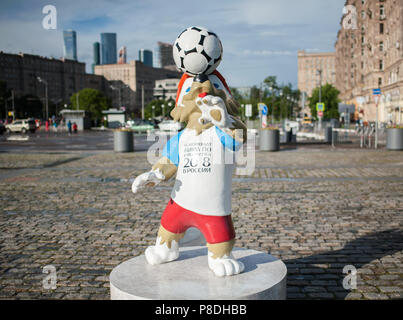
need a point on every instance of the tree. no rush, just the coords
(91, 100)
(149, 112)
(330, 97)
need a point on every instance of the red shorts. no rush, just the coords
(215, 229)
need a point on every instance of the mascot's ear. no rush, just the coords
(185, 76)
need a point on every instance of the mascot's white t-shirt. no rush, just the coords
(205, 165)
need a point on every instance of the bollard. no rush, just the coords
(123, 141)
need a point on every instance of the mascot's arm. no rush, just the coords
(166, 167)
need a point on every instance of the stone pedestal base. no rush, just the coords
(189, 277)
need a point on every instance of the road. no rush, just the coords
(87, 141)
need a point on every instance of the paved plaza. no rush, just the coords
(318, 209)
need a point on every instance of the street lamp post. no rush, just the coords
(78, 101)
(46, 95)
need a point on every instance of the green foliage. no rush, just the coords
(281, 100)
(91, 100)
(330, 97)
(157, 104)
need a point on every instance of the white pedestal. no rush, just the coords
(189, 277)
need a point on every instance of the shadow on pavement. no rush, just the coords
(305, 274)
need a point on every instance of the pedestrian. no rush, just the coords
(69, 127)
(55, 126)
(75, 127)
(47, 125)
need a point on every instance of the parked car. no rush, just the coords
(170, 125)
(22, 126)
(140, 125)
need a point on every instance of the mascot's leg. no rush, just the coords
(166, 247)
(221, 261)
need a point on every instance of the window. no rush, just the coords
(362, 64)
(381, 46)
(381, 65)
(381, 10)
(381, 28)
(379, 82)
(362, 51)
(363, 14)
(362, 1)
(362, 40)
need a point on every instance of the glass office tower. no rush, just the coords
(70, 44)
(108, 48)
(146, 57)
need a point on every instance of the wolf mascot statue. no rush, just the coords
(201, 159)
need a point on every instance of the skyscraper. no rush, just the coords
(165, 53)
(108, 48)
(146, 57)
(122, 55)
(70, 44)
(96, 54)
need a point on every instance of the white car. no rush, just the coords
(170, 125)
(21, 126)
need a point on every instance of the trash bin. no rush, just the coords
(394, 139)
(269, 140)
(123, 141)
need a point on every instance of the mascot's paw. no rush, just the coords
(213, 110)
(151, 178)
(160, 253)
(225, 266)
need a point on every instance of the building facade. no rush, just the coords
(166, 88)
(369, 55)
(133, 82)
(21, 71)
(70, 45)
(108, 48)
(314, 68)
(63, 77)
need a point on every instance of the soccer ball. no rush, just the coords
(197, 51)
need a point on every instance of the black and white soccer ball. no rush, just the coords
(197, 51)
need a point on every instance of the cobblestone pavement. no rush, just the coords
(318, 209)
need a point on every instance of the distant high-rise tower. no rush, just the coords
(97, 54)
(70, 44)
(146, 57)
(165, 53)
(122, 55)
(108, 48)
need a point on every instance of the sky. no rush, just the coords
(259, 37)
